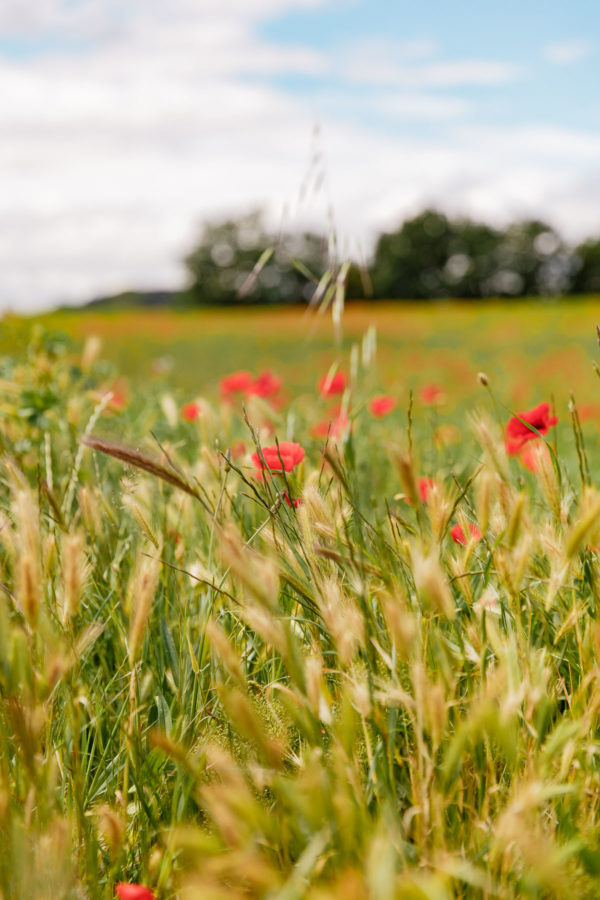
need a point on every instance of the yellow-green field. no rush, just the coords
(528, 349)
(336, 651)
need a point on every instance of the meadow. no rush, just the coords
(287, 614)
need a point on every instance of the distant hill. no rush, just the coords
(135, 299)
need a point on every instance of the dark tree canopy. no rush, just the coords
(586, 274)
(237, 261)
(433, 256)
(429, 256)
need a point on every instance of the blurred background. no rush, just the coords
(155, 150)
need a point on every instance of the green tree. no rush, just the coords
(238, 261)
(532, 259)
(434, 256)
(409, 263)
(586, 274)
(473, 248)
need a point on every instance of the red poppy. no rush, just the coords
(333, 428)
(588, 411)
(236, 383)
(125, 891)
(119, 398)
(431, 394)
(289, 453)
(333, 384)
(426, 485)
(238, 448)
(458, 534)
(518, 433)
(531, 455)
(265, 385)
(294, 502)
(191, 411)
(176, 535)
(381, 406)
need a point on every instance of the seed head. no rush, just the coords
(142, 589)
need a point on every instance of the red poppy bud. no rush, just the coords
(265, 385)
(125, 891)
(236, 383)
(458, 534)
(432, 394)
(333, 384)
(381, 406)
(426, 485)
(190, 411)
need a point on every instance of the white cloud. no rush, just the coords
(393, 106)
(420, 106)
(383, 62)
(563, 53)
(112, 157)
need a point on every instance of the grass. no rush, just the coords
(210, 691)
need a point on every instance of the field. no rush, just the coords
(266, 638)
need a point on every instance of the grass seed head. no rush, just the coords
(401, 624)
(432, 585)
(27, 542)
(254, 571)
(342, 618)
(586, 527)
(142, 590)
(111, 829)
(75, 571)
(489, 438)
(91, 352)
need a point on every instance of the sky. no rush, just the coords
(127, 124)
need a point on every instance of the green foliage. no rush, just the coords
(238, 262)
(433, 256)
(210, 691)
(586, 277)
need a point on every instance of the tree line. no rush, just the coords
(430, 256)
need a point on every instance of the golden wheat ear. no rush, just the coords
(134, 457)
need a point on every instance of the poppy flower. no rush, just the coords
(265, 385)
(119, 399)
(518, 433)
(190, 411)
(332, 427)
(381, 406)
(588, 411)
(431, 394)
(426, 485)
(125, 891)
(458, 534)
(531, 455)
(236, 383)
(289, 453)
(175, 535)
(294, 502)
(237, 449)
(333, 384)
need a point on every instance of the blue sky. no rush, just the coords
(552, 47)
(127, 124)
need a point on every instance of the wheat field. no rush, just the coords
(325, 629)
